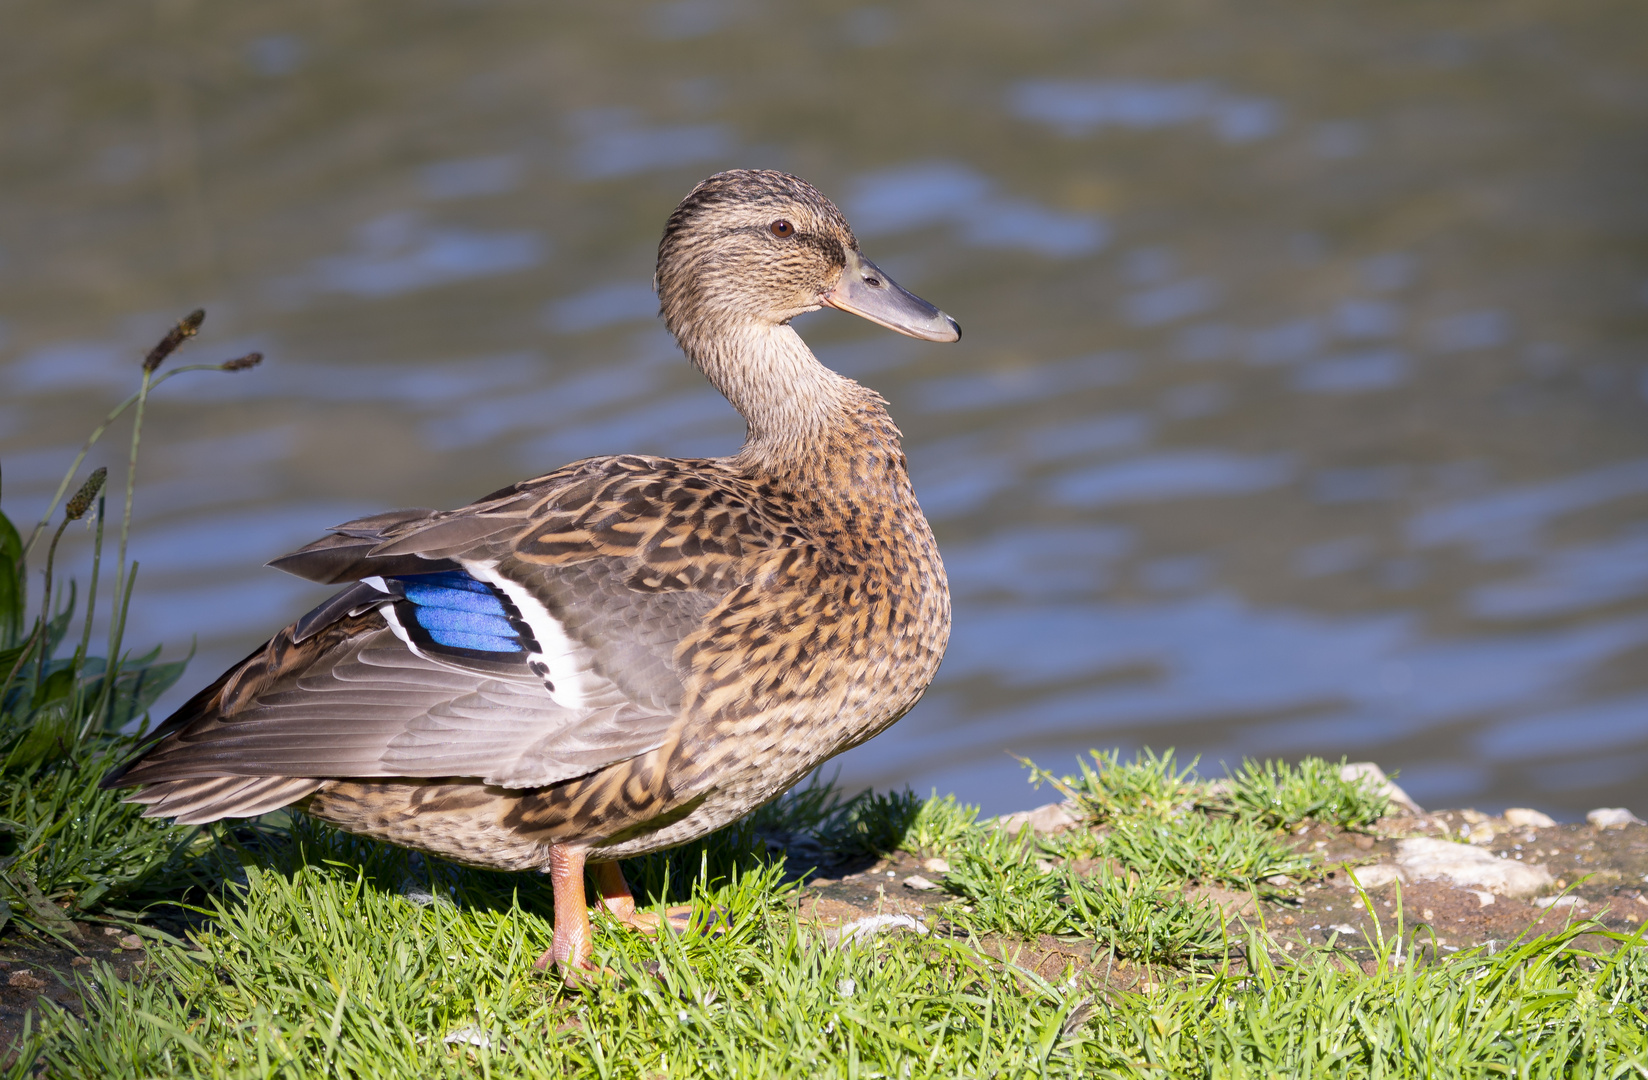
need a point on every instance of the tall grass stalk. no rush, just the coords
(81, 651)
(67, 848)
(124, 577)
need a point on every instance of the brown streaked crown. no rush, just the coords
(721, 260)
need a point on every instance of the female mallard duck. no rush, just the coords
(629, 652)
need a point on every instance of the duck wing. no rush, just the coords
(526, 639)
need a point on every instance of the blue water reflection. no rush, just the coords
(1469, 330)
(1082, 108)
(1297, 410)
(994, 389)
(1359, 682)
(917, 196)
(1173, 474)
(602, 306)
(1613, 724)
(1570, 579)
(1170, 303)
(1354, 373)
(68, 365)
(1525, 509)
(401, 253)
(466, 178)
(615, 143)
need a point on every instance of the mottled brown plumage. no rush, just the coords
(626, 653)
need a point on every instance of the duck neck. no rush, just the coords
(796, 408)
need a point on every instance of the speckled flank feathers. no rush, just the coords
(630, 651)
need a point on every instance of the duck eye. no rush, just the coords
(781, 228)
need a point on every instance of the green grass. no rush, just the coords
(1153, 816)
(1007, 890)
(1281, 796)
(1273, 794)
(322, 954)
(68, 850)
(323, 966)
(942, 824)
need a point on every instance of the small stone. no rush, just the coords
(1558, 901)
(1520, 817)
(1215, 790)
(1342, 928)
(1428, 914)
(112, 931)
(919, 883)
(936, 865)
(25, 980)
(1612, 817)
(866, 928)
(1367, 770)
(131, 941)
(1467, 866)
(1473, 817)
(469, 1036)
(1483, 897)
(1043, 820)
(1376, 876)
(80, 961)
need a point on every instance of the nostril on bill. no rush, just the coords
(873, 282)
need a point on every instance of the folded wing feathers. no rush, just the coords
(198, 801)
(382, 711)
(349, 697)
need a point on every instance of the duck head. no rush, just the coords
(754, 246)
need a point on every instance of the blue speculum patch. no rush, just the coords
(460, 612)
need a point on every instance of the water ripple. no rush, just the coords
(1173, 474)
(1076, 108)
(932, 193)
(398, 253)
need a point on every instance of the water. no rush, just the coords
(1302, 408)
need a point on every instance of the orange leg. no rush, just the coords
(569, 950)
(620, 902)
(615, 894)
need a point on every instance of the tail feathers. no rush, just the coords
(197, 800)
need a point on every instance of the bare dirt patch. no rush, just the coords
(32, 970)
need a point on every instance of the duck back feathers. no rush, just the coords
(619, 655)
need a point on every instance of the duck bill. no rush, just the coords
(870, 294)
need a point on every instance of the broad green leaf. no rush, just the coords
(59, 683)
(13, 594)
(40, 910)
(136, 689)
(51, 734)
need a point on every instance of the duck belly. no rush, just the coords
(457, 820)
